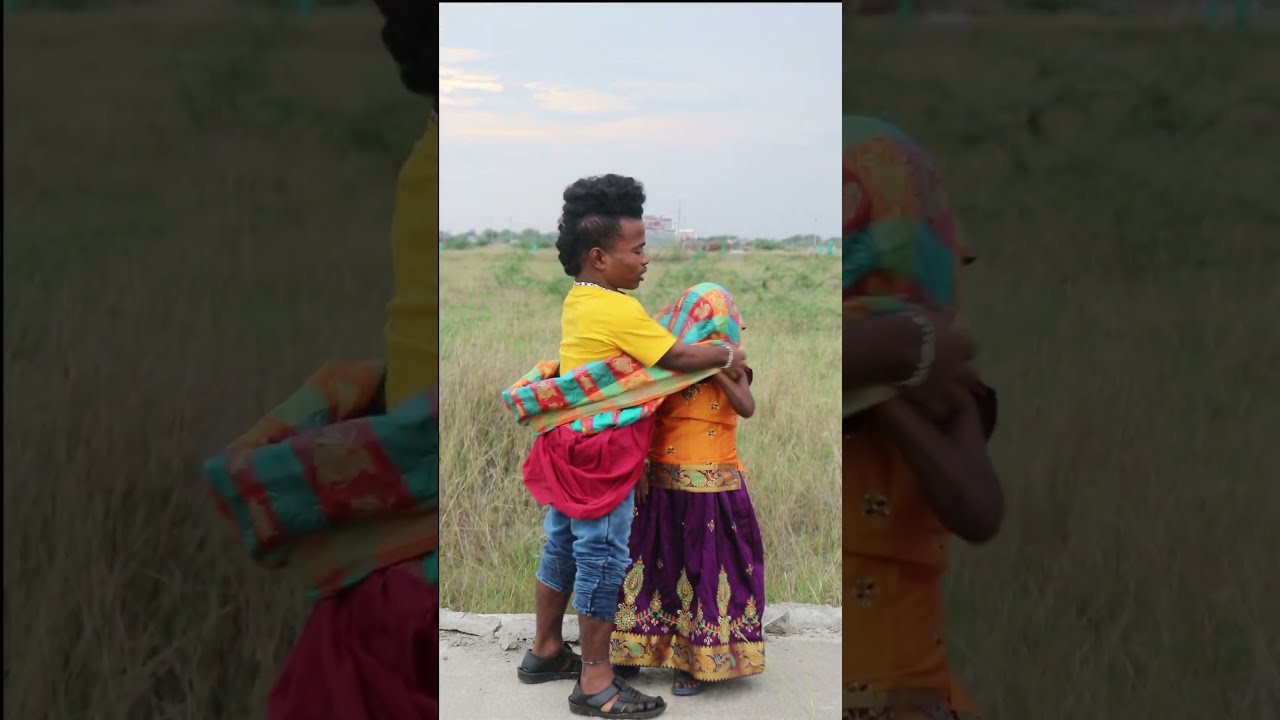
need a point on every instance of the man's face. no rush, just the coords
(625, 260)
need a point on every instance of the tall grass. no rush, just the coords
(196, 215)
(1120, 187)
(500, 313)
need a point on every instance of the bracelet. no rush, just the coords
(728, 362)
(926, 352)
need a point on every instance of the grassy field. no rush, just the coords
(196, 215)
(1120, 184)
(500, 313)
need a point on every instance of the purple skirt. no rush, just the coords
(693, 598)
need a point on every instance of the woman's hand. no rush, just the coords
(642, 487)
(737, 389)
(731, 375)
(950, 462)
(960, 424)
(939, 400)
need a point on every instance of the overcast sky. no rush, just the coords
(729, 114)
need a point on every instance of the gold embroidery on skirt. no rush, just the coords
(686, 640)
(695, 478)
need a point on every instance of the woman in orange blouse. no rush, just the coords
(916, 468)
(693, 598)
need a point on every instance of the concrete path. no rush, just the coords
(479, 655)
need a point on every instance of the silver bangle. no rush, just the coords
(728, 362)
(927, 348)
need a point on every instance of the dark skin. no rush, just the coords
(620, 265)
(885, 350)
(737, 387)
(881, 350)
(950, 461)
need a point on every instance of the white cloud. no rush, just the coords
(453, 80)
(458, 56)
(458, 88)
(464, 125)
(451, 101)
(560, 98)
(688, 131)
(458, 84)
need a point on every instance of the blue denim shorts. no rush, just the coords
(588, 558)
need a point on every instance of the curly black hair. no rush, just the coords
(592, 216)
(410, 33)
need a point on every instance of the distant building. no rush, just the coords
(658, 231)
(658, 222)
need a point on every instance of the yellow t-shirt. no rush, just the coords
(413, 315)
(597, 324)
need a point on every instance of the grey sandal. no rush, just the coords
(630, 704)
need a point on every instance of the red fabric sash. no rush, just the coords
(370, 652)
(586, 476)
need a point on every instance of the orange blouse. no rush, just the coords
(895, 554)
(695, 443)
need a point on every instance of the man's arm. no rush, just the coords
(645, 339)
(879, 350)
(683, 357)
(889, 349)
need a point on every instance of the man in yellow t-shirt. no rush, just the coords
(413, 315)
(369, 651)
(589, 482)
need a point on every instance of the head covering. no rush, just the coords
(706, 311)
(900, 243)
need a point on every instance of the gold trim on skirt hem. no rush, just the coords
(706, 663)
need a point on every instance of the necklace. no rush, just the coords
(591, 284)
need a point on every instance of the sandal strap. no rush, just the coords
(629, 698)
(569, 660)
(599, 699)
(564, 661)
(626, 698)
